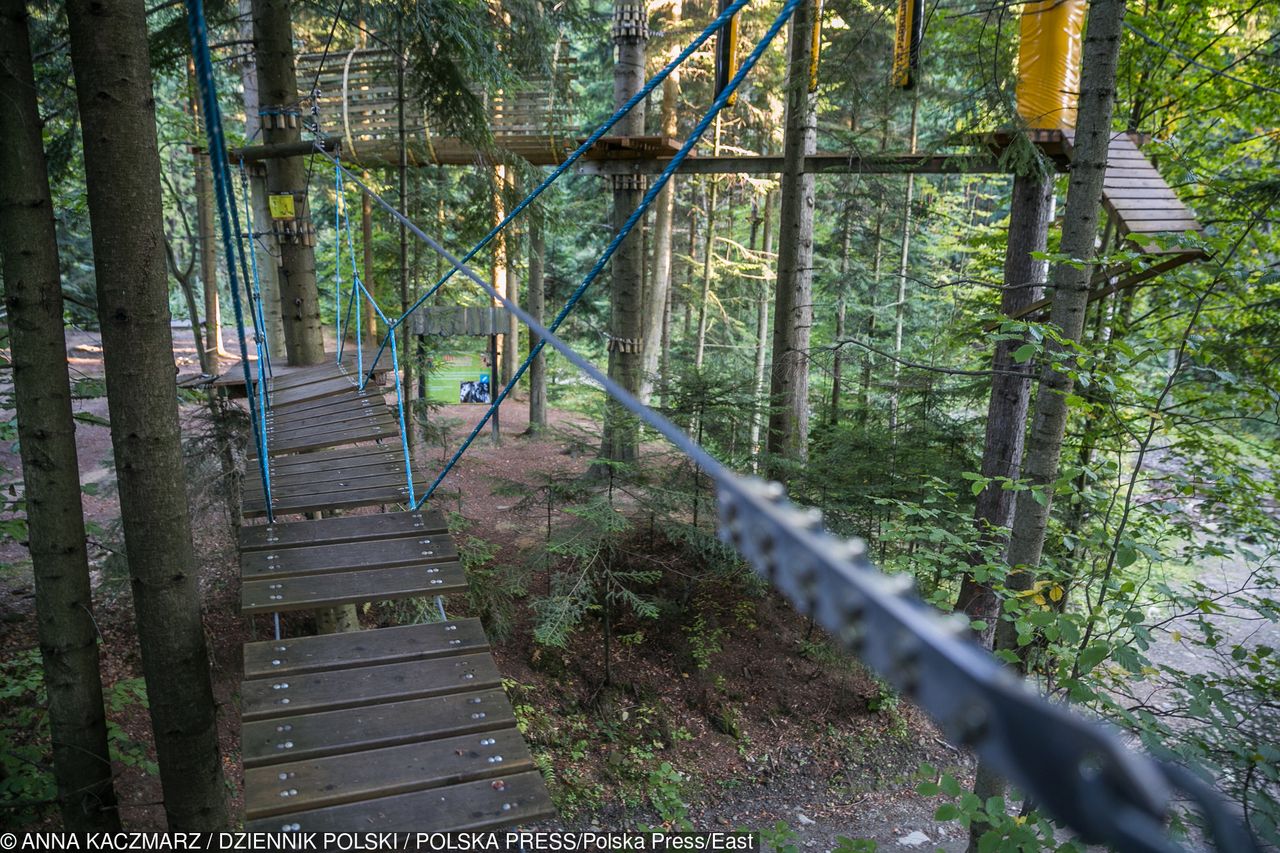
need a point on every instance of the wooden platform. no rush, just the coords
(396, 729)
(231, 380)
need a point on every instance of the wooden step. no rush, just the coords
(351, 528)
(325, 782)
(355, 434)
(482, 804)
(267, 698)
(320, 460)
(313, 391)
(304, 487)
(352, 556)
(327, 501)
(376, 474)
(303, 420)
(350, 399)
(305, 592)
(271, 658)
(305, 736)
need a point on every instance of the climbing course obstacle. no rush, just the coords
(407, 728)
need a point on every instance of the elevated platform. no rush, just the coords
(231, 380)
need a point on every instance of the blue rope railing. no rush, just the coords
(228, 217)
(359, 292)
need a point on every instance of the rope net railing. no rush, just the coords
(1080, 771)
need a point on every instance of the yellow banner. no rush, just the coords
(902, 44)
(281, 205)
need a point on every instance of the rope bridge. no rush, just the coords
(407, 728)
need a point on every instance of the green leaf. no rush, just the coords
(1024, 353)
(947, 811)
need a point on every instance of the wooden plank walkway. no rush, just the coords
(402, 728)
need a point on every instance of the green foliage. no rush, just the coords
(493, 590)
(27, 787)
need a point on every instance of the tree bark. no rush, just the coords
(47, 441)
(663, 232)
(710, 199)
(762, 334)
(1103, 31)
(502, 282)
(1070, 293)
(1030, 212)
(278, 90)
(900, 304)
(793, 314)
(537, 307)
(207, 246)
(626, 298)
(112, 65)
(268, 273)
(370, 330)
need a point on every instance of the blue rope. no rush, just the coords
(357, 289)
(653, 83)
(721, 100)
(229, 219)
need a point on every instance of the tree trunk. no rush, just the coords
(655, 321)
(837, 365)
(793, 315)
(626, 298)
(537, 307)
(268, 273)
(900, 304)
(110, 57)
(762, 334)
(502, 282)
(710, 199)
(1103, 30)
(1030, 212)
(282, 123)
(47, 441)
(1070, 292)
(207, 245)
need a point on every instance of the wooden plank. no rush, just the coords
(327, 652)
(327, 501)
(307, 736)
(309, 376)
(290, 434)
(1162, 226)
(1117, 193)
(351, 528)
(318, 441)
(1145, 172)
(325, 782)
(266, 698)
(1109, 183)
(356, 469)
(314, 391)
(468, 806)
(348, 400)
(387, 480)
(1165, 213)
(302, 420)
(1140, 204)
(303, 592)
(347, 557)
(338, 456)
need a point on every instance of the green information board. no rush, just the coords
(459, 378)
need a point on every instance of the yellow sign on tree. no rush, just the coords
(281, 205)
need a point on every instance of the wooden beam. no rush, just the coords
(825, 162)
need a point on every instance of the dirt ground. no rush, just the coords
(802, 745)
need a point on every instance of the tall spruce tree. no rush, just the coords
(112, 65)
(47, 438)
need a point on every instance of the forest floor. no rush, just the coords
(771, 727)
